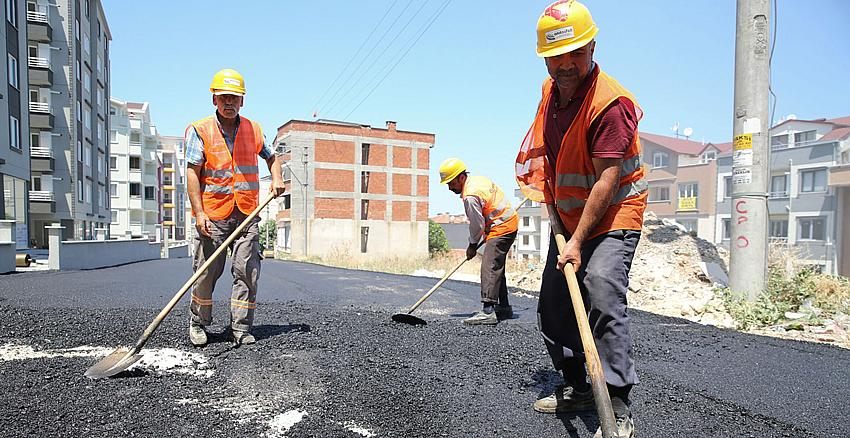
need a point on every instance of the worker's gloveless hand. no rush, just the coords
(471, 250)
(571, 254)
(202, 223)
(277, 187)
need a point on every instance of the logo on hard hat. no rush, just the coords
(560, 34)
(558, 10)
(231, 81)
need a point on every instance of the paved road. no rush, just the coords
(330, 363)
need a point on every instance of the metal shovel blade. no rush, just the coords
(408, 319)
(117, 361)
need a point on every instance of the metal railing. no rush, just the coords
(41, 196)
(38, 62)
(40, 17)
(782, 194)
(40, 107)
(41, 152)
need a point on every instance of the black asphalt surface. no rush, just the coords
(328, 351)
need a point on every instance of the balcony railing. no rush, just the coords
(40, 107)
(41, 196)
(41, 152)
(39, 17)
(38, 62)
(782, 194)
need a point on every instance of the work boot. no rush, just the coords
(625, 428)
(482, 318)
(504, 312)
(565, 399)
(197, 335)
(240, 337)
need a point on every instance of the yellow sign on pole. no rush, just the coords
(743, 142)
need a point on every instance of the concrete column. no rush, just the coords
(7, 230)
(100, 233)
(54, 245)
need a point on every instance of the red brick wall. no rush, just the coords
(422, 158)
(332, 151)
(422, 211)
(377, 183)
(377, 209)
(313, 127)
(422, 185)
(401, 157)
(334, 208)
(377, 155)
(333, 180)
(401, 184)
(401, 211)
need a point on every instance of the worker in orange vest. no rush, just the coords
(583, 156)
(222, 179)
(492, 218)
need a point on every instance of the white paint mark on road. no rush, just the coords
(359, 430)
(280, 424)
(10, 352)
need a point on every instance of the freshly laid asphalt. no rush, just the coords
(329, 362)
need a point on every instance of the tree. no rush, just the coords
(437, 242)
(268, 234)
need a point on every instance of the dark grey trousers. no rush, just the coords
(494, 285)
(604, 280)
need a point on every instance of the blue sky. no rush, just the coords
(473, 77)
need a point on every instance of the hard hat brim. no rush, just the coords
(222, 92)
(575, 45)
(451, 176)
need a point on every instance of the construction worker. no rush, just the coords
(582, 155)
(491, 217)
(222, 180)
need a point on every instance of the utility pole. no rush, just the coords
(751, 159)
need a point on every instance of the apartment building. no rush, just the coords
(171, 154)
(68, 61)
(681, 183)
(135, 170)
(808, 192)
(353, 189)
(14, 122)
(532, 240)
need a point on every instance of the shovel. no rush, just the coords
(122, 358)
(601, 397)
(407, 318)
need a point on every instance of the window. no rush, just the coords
(99, 65)
(364, 209)
(135, 190)
(779, 141)
(114, 217)
(36, 183)
(88, 191)
(100, 96)
(87, 7)
(778, 228)
(113, 190)
(79, 111)
(77, 29)
(526, 221)
(727, 186)
(87, 82)
(135, 163)
(79, 73)
(659, 194)
(87, 155)
(364, 238)
(779, 186)
(135, 137)
(99, 163)
(35, 140)
(802, 138)
(79, 150)
(113, 136)
(709, 156)
(12, 12)
(813, 181)
(364, 153)
(87, 118)
(13, 71)
(100, 130)
(80, 190)
(812, 228)
(689, 190)
(150, 194)
(727, 229)
(525, 240)
(113, 163)
(660, 159)
(14, 133)
(364, 182)
(86, 44)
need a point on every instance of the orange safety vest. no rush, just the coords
(499, 217)
(229, 179)
(570, 187)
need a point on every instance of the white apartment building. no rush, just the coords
(134, 168)
(173, 157)
(68, 66)
(532, 240)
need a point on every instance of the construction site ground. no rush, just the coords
(329, 362)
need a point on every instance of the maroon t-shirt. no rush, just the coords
(609, 136)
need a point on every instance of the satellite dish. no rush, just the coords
(688, 132)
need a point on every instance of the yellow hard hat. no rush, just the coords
(450, 169)
(564, 26)
(228, 81)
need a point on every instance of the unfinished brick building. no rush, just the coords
(353, 190)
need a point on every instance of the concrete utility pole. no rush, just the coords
(750, 166)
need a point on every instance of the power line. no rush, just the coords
(433, 19)
(316, 106)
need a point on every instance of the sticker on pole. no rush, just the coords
(742, 158)
(743, 142)
(742, 176)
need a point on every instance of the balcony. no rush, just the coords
(41, 159)
(778, 195)
(839, 175)
(40, 116)
(41, 202)
(40, 73)
(135, 148)
(38, 27)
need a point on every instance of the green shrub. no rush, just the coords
(437, 242)
(268, 234)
